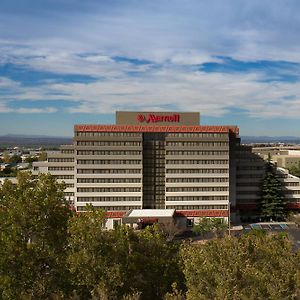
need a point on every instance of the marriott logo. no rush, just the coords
(152, 118)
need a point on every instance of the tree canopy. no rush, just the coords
(49, 252)
(250, 267)
(33, 229)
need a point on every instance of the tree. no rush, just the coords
(155, 264)
(207, 225)
(6, 157)
(15, 159)
(31, 159)
(43, 156)
(122, 262)
(273, 202)
(91, 246)
(256, 266)
(295, 170)
(33, 238)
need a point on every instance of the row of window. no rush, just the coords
(109, 208)
(222, 179)
(67, 151)
(197, 161)
(108, 180)
(196, 198)
(128, 134)
(109, 171)
(68, 193)
(61, 159)
(106, 199)
(69, 185)
(194, 152)
(197, 189)
(250, 168)
(251, 192)
(109, 152)
(197, 144)
(249, 176)
(292, 192)
(108, 161)
(200, 207)
(252, 183)
(108, 143)
(197, 171)
(291, 183)
(108, 190)
(60, 168)
(63, 176)
(155, 188)
(195, 134)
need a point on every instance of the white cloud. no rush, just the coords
(4, 108)
(180, 31)
(174, 36)
(26, 110)
(213, 94)
(6, 83)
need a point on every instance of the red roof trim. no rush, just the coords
(202, 213)
(114, 214)
(155, 128)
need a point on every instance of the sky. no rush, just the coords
(63, 62)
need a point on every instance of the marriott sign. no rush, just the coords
(153, 118)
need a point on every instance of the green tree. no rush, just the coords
(122, 262)
(251, 267)
(6, 157)
(155, 263)
(31, 159)
(15, 159)
(43, 156)
(207, 225)
(90, 256)
(273, 202)
(295, 170)
(33, 238)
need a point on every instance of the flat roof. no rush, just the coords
(151, 213)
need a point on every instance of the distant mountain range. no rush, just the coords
(270, 139)
(13, 140)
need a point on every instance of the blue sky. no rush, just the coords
(69, 61)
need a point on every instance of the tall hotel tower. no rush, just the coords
(163, 161)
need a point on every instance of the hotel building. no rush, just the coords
(152, 165)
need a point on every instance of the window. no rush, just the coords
(108, 143)
(195, 198)
(107, 199)
(60, 159)
(189, 222)
(197, 189)
(108, 190)
(108, 161)
(109, 171)
(60, 168)
(110, 134)
(108, 180)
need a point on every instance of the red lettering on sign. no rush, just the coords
(152, 118)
